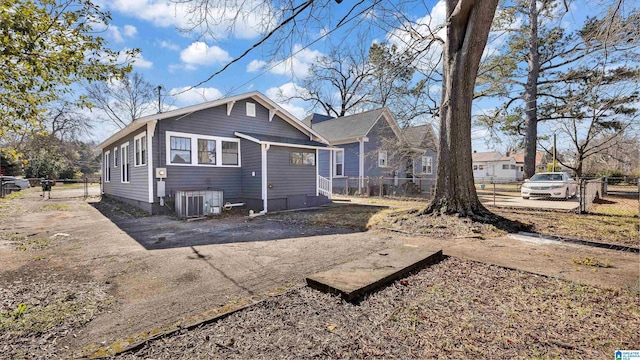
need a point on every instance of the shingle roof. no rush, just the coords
(348, 127)
(283, 140)
(486, 156)
(421, 136)
(520, 157)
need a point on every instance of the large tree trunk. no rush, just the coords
(531, 94)
(468, 25)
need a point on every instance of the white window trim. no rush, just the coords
(107, 168)
(335, 164)
(424, 164)
(125, 145)
(115, 158)
(386, 159)
(194, 149)
(135, 149)
(251, 109)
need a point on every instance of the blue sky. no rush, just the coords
(178, 60)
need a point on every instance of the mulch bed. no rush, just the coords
(454, 309)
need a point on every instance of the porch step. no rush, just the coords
(353, 279)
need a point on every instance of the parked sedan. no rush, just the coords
(549, 185)
(19, 183)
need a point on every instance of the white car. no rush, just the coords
(549, 185)
(20, 183)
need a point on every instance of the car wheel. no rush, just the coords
(566, 194)
(525, 197)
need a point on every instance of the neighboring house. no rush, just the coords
(541, 163)
(371, 145)
(493, 166)
(242, 149)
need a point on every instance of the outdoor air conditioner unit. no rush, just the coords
(198, 203)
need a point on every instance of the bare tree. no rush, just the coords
(122, 101)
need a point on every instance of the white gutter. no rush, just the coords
(265, 149)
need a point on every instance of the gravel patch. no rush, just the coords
(454, 309)
(37, 315)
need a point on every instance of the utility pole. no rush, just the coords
(159, 99)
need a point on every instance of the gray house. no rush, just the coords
(371, 145)
(241, 150)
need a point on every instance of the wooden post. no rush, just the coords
(381, 186)
(346, 186)
(368, 187)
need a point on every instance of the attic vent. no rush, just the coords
(198, 203)
(251, 109)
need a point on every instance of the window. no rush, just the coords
(140, 149)
(427, 165)
(382, 159)
(124, 151)
(505, 166)
(512, 167)
(339, 163)
(480, 167)
(206, 151)
(302, 158)
(180, 150)
(251, 109)
(475, 167)
(229, 153)
(107, 166)
(116, 156)
(202, 150)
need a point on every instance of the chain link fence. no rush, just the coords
(616, 196)
(51, 189)
(384, 186)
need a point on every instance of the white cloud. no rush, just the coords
(130, 31)
(199, 53)
(256, 65)
(298, 64)
(245, 20)
(138, 62)
(283, 93)
(168, 45)
(189, 96)
(416, 35)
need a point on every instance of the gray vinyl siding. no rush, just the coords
(138, 186)
(323, 163)
(285, 179)
(351, 159)
(380, 131)
(215, 122)
(251, 163)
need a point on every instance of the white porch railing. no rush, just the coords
(324, 186)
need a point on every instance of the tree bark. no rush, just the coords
(468, 25)
(531, 94)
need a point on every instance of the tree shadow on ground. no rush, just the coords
(165, 232)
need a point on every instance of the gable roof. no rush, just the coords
(421, 136)
(486, 156)
(262, 99)
(520, 157)
(356, 126)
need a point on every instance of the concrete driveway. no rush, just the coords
(518, 201)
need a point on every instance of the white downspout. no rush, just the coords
(361, 167)
(331, 155)
(265, 148)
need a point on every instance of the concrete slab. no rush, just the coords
(351, 280)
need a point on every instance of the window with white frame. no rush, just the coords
(116, 158)
(427, 165)
(251, 109)
(505, 166)
(180, 150)
(140, 149)
(302, 158)
(107, 166)
(339, 163)
(230, 152)
(475, 167)
(202, 150)
(125, 170)
(206, 151)
(382, 159)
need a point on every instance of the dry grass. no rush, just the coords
(455, 309)
(355, 217)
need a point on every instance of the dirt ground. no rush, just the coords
(157, 271)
